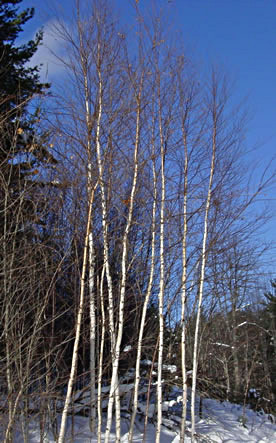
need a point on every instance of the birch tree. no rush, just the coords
(139, 125)
(149, 287)
(186, 98)
(215, 110)
(84, 61)
(162, 273)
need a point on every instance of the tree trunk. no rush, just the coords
(162, 278)
(78, 325)
(100, 366)
(203, 257)
(114, 378)
(146, 301)
(184, 294)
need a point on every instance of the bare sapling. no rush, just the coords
(115, 363)
(215, 110)
(148, 293)
(78, 323)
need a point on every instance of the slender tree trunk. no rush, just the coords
(203, 264)
(146, 301)
(8, 438)
(227, 376)
(148, 391)
(100, 368)
(105, 240)
(78, 325)
(92, 333)
(162, 276)
(9, 250)
(234, 349)
(184, 294)
(8, 372)
(7, 318)
(91, 256)
(114, 379)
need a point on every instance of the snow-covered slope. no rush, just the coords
(220, 422)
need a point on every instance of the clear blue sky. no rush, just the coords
(239, 35)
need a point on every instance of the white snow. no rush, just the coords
(220, 422)
(170, 368)
(146, 362)
(223, 344)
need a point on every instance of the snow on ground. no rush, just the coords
(220, 422)
(227, 422)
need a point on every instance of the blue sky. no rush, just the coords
(239, 35)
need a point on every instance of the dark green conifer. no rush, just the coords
(23, 153)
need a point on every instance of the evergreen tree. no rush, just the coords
(271, 301)
(26, 256)
(22, 151)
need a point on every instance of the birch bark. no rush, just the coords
(91, 267)
(78, 325)
(162, 277)
(91, 256)
(105, 239)
(100, 368)
(203, 261)
(114, 379)
(146, 301)
(183, 292)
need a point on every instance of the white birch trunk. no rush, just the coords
(106, 251)
(202, 274)
(114, 379)
(78, 326)
(162, 281)
(91, 255)
(104, 211)
(92, 333)
(184, 296)
(145, 306)
(100, 366)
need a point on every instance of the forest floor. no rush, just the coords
(219, 422)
